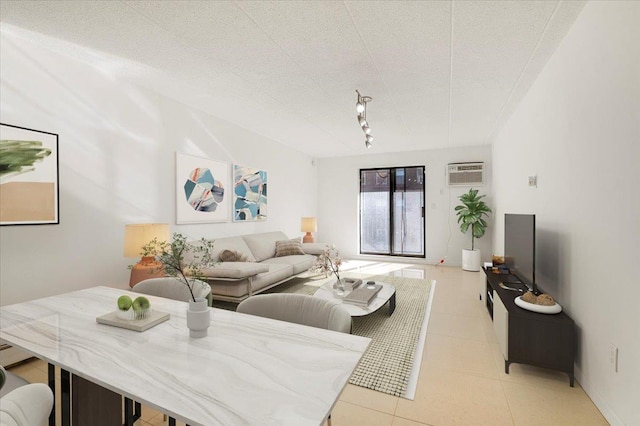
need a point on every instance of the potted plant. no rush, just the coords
(186, 262)
(471, 215)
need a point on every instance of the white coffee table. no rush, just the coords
(386, 294)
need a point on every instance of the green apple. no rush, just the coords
(124, 302)
(141, 304)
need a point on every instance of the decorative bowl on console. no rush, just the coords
(541, 309)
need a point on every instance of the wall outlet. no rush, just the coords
(533, 181)
(613, 358)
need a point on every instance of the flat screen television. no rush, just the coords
(520, 247)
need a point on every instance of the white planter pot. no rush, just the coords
(471, 260)
(198, 317)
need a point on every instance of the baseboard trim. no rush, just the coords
(597, 399)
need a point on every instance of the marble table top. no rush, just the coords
(248, 371)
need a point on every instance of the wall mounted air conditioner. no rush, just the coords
(465, 174)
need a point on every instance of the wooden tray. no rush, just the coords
(154, 318)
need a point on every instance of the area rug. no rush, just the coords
(387, 365)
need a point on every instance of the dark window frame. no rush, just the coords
(391, 192)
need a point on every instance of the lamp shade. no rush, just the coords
(137, 235)
(308, 224)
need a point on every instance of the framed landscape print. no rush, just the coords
(29, 190)
(201, 190)
(249, 194)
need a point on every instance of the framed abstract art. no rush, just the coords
(29, 177)
(249, 194)
(202, 190)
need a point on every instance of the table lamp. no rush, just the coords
(308, 225)
(136, 236)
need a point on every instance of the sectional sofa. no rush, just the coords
(250, 264)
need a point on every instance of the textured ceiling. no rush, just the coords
(441, 74)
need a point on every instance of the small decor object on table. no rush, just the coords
(329, 261)
(141, 307)
(186, 261)
(124, 307)
(363, 296)
(543, 303)
(133, 309)
(133, 314)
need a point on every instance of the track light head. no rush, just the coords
(361, 108)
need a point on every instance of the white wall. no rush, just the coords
(117, 145)
(338, 200)
(578, 129)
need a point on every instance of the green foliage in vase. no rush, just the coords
(471, 214)
(181, 259)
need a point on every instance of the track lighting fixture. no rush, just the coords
(368, 140)
(361, 109)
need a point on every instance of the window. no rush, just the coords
(392, 211)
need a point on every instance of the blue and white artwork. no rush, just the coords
(200, 190)
(250, 194)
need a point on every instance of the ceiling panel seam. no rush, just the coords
(499, 117)
(320, 86)
(282, 49)
(366, 47)
(254, 87)
(450, 76)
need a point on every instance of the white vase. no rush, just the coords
(198, 317)
(128, 315)
(471, 260)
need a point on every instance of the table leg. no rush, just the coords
(392, 303)
(51, 371)
(131, 415)
(65, 397)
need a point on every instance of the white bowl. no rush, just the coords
(542, 309)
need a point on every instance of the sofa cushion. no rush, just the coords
(288, 248)
(263, 245)
(300, 263)
(277, 272)
(273, 274)
(235, 270)
(314, 248)
(232, 256)
(231, 243)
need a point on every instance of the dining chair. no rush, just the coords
(173, 288)
(298, 308)
(23, 403)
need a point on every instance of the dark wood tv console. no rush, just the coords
(527, 337)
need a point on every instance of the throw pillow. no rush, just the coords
(288, 248)
(232, 256)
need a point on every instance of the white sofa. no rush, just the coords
(263, 268)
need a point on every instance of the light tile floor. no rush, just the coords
(462, 379)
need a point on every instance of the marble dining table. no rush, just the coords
(249, 370)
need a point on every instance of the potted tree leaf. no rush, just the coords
(471, 215)
(186, 262)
